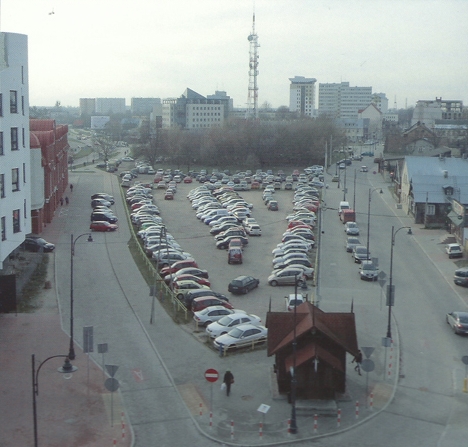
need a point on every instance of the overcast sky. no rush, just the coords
(408, 49)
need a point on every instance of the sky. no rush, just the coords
(407, 49)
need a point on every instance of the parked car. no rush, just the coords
(193, 271)
(211, 314)
(164, 259)
(458, 321)
(351, 228)
(37, 244)
(203, 302)
(243, 284)
(109, 217)
(351, 242)
(272, 205)
(225, 324)
(287, 276)
(253, 230)
(293, 300)
(181, 288)
(102, 225)
(368, 271)
(360, 253)
(223, 244)
(188, 299)
(461, 277)
(103, 195)
(178, 277)
(454, 250)
(177, 266)
(241, 336)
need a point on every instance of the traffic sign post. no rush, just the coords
(211, 375)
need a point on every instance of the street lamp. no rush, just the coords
(368, 217)
(391, 289)
(71, 353)
(67, 369)
(293, 426)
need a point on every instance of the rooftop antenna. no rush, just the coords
(252, 101)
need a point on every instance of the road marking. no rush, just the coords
(138, 375)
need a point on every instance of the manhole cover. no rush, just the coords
(247, 397)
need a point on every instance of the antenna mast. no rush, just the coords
(252, 102)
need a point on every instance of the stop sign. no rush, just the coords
(211, 375)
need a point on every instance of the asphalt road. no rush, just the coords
(110, 296)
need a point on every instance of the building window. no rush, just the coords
(15, 179)
(24, 172)
(22, 105)
(1, 143)
(1, 104)
(13, 101)
(16, 221)
(24, 209)
(2, 186)
(14, 138)
(23, 136)
(430, 209)
(3, 227)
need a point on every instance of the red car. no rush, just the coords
(188, 179)
(296, 223)
(177, 266)
(101, 225)
(206, 301)
(201, 281)
(169, 196)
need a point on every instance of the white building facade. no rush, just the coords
(343, 101)
(110, 105)
(15, 178)
(302, 95)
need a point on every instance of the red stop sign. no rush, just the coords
(211, 375)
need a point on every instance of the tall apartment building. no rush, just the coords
(143, 106)
(302, 95)
(343, 101)
(87, 106)
(194, 111)
(15, 184)
(109, 106)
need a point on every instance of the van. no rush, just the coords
(343, 206)
(348, 216)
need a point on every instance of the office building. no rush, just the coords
(343, 101)
(302, 95)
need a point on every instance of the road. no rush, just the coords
(111, 296)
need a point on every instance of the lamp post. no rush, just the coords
(67, 369)
(391, 290)
(293, 426)
(368, 217)
(71, 353)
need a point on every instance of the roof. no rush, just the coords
(429, 175)
(337, 326)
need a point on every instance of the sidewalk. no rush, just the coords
(75, 412)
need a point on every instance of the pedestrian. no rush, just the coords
(61, 201)
(228, 380)
(358, 360)
(71, 187)
(66, 200)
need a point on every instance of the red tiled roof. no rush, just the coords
(310, 351)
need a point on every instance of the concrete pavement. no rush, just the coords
(85, 417)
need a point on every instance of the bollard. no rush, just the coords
(315, 423)
(371, 401)
(389, 373)
(201, 409)
(338, 418)
(123, 426)
(289, 427)
(211, 420)
(260, 430)
(465, 385)
(115, 442)
(357, 409)
(232, 429)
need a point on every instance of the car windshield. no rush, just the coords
(368, 267)
(225, 321)
(40, 241)
(295, 302)
(463, 319)
(235, 333)
(351, 225)
(362, 250)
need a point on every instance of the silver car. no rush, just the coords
(458, 321)
(360, 253)
(287, 276)
(352, 242)
(368, 271)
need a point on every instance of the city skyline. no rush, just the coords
(117, 49)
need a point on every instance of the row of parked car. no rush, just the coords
(102, 217)
(291, 258)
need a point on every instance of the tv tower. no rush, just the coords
(252, 101)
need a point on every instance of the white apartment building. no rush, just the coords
(343, 101)
(109, 106)
(15, 178)
(302, 95)
(204, 116)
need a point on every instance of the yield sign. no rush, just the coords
(211, 375)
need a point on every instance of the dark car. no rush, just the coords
(109, 217)
(272, 205)
(225, 242)
(207, 301)
(190, 296)
(461, 277)
(243, 284)
(36, 244)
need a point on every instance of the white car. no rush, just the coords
(253, 230)
(294, 300)
(308, 271)
(211, 314)
(242, 335)
(351, 229)
(225, 324)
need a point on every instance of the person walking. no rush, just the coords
(66, 200)
(61, 201)
(71, 187)
(358, 360)
(228, 380)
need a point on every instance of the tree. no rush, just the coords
(104, 146)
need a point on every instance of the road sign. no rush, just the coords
(211, 375)
(367, 350)
(111, 384)
(368, 365)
